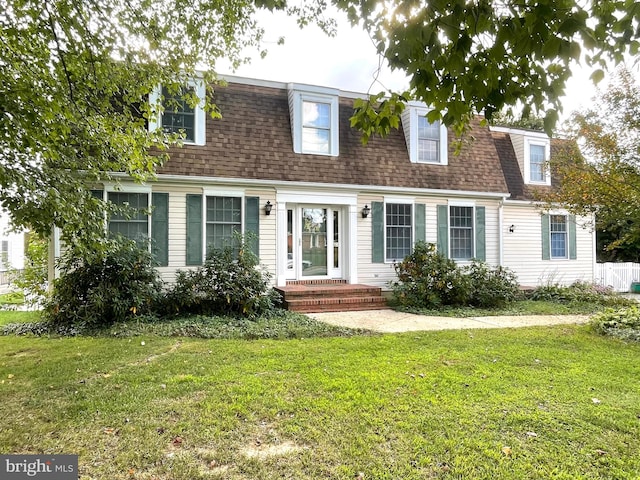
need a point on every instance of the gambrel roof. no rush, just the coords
(253, 140)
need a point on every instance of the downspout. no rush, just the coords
(501, 232)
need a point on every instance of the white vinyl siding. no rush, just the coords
(523, 249)
(380, 274)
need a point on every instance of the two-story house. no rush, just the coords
(284, 164)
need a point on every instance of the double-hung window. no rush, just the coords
(537, 151)
(216, 219)
(314, 120)
(178, 115)
(180, 111)
(141, 216)
(426, 141)
(559, 231)
(399, 230)
(461, 232)
(133, 221)
(316, 127)
(223, 221)
(558, 236)
(537, 162)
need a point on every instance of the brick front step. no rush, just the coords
(311, 297)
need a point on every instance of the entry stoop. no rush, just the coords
(313, 296)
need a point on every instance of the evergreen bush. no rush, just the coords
(231, 282)
(103, 289)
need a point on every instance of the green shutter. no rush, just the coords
(252, 223)
(194, 230)
(421, 228)
(443, 230)
(573, 248)
(377, 232)
(481, 242)
(160, 228)
(546, 248)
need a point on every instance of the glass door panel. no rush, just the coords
(314, 242)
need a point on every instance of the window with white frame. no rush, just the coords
(537, 162)
(399, 230)
(461, 232)
(223, 221)
(316, 127)
(426, 141)
(314, 120)
(178, 115)
(181, 112)
(558, 236)
(536, 158)
(133, 220)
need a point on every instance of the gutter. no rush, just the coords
(183, 179)
(501, 231)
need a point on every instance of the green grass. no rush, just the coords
(12, 298)
(18, 316)
(410, 406)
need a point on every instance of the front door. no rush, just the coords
(314, 244)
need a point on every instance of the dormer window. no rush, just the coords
(314, 119)
(178, 114)
(316, 127)
(426, 141)
(536, 158)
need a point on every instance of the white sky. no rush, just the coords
(348, 62)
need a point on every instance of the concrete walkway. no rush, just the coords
(390, 321)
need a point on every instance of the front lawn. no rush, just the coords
(533, 403)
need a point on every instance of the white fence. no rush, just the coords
(619, 276)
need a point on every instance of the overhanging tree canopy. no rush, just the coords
(74, 77)
(606, 180)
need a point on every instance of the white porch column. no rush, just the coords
(352, 244)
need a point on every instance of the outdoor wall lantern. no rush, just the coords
(267, 208)
(512, 228)
(365, 211)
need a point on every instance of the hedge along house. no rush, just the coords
(331, 214)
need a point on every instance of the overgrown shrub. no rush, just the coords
(98, 291)
(580, 292)
(491, 286)
(230, 282)
(428, 279)
(624, 323)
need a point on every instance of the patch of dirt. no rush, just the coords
(260, 450)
